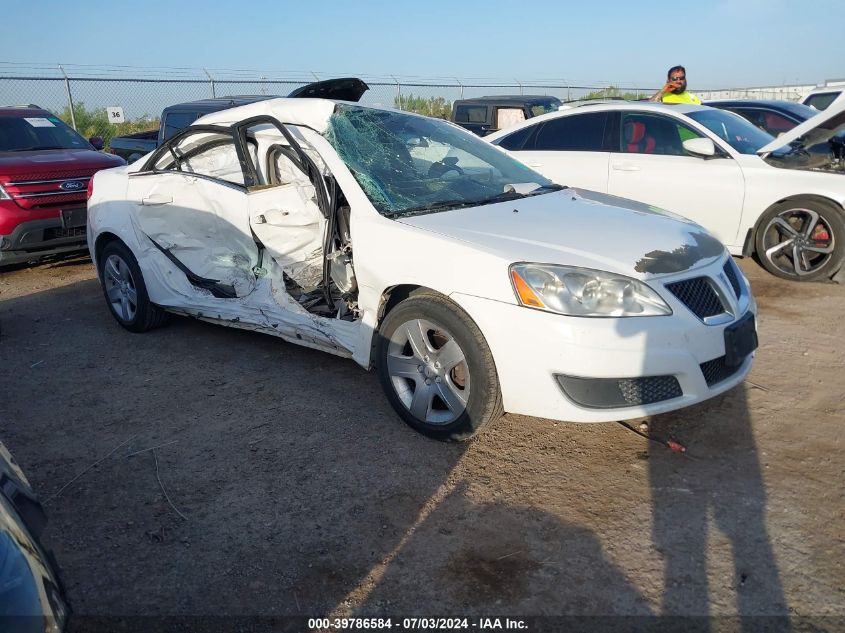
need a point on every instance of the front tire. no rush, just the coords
(125, 290)
(801, 239)
(436, 368)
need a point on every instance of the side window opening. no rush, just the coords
(175, 122)
(574, 133)
(282, 165)
(650, 134)
(519, 140)
(210, 154)
(821, 100)
(471, 114)
(508, 117)
(307, 238)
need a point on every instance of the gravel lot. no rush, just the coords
(296, 490)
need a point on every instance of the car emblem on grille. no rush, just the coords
(72, 185)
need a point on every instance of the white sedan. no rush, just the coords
(472, 283)
(755, 193)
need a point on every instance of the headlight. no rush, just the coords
(584, 292)
(3, 194)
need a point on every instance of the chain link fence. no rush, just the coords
(81, 101)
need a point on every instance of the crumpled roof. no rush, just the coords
(313, 113)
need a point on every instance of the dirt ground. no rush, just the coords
(296, 490)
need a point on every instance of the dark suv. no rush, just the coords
(485, 115)
(45, 167)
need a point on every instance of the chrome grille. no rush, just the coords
(730, 272)
(32, 193)
(698, 295)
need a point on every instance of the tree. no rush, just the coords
(612, 92)
(95, 122)
(439, 107)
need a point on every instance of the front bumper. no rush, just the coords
(32, 239)
(532, 349)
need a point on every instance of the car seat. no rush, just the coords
(637, 141)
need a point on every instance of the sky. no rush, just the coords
(737, 43)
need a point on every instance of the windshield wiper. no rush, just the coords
(431, 207)
(445, 205)
(547, 189)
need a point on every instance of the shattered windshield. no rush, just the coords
(409, 164)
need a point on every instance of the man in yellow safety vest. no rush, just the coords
(675, 88)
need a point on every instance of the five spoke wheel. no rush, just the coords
(120, 287)
(801, 239)
(428, 369)
(436, 368)
(798, 241)
(125, 290)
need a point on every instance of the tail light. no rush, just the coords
(90, 188)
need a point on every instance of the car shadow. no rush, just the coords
(280, 475)
(708, 501)
(709, 515)
(303, 493)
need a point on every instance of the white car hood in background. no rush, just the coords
(580, 228)
(818, 129)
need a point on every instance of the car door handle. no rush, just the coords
(625, 167)
(155, 199)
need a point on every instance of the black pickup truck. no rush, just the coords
(177, 117)
(485, 115)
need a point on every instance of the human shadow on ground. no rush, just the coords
(709, 516)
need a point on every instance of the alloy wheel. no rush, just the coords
(120, 288)
(798, 241)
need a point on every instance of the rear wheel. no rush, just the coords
(436, 368)
(125, 291)
(801, 240)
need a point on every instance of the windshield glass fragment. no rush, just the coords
(410, 164)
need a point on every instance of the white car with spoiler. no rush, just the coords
(472, 284)
(781, 198)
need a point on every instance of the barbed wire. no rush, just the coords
(45, 70)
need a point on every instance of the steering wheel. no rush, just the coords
(441, 167)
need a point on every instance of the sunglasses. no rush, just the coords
(678, 78)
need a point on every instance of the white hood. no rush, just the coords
(818, 129)
(580, 228)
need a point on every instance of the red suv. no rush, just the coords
(45, 167)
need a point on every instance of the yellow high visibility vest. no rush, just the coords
(684, 97)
